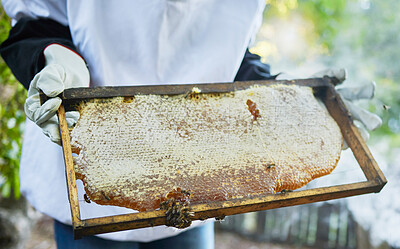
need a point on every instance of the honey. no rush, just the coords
(253, 109)
(170, 152)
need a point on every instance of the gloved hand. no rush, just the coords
(363, 119)
(63, 69)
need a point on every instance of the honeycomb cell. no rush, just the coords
(134, 151)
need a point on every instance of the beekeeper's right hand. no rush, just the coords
(63, 69)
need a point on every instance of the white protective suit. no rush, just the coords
(133, 42)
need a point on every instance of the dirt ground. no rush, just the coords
(42, 238)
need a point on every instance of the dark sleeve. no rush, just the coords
(23, 49)
(253, 69)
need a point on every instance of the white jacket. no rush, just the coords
(133, 42)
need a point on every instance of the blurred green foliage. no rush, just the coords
(372, 32)
(361, 36)
(324, 14)
(12, 118)
(327, 16)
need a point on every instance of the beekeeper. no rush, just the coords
(55, 45)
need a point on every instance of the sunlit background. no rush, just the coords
(298, 37)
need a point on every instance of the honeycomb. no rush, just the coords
(135, 151)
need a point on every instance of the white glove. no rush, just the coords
(363, 118)
(63, 69)
(349, 94)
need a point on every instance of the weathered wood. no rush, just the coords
(353, 137)
(73, 96)
(306, 218)
(322, 87)
(217, 209)
(323, 226)
(124, 91)
(69, 167)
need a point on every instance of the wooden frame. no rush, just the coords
(323, 88)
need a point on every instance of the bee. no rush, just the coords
(178, 214)
(86, 198)
(270, 165)
(185, 192)
(193, 93)
(105, 196)
(128, 99)
(220, 218)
